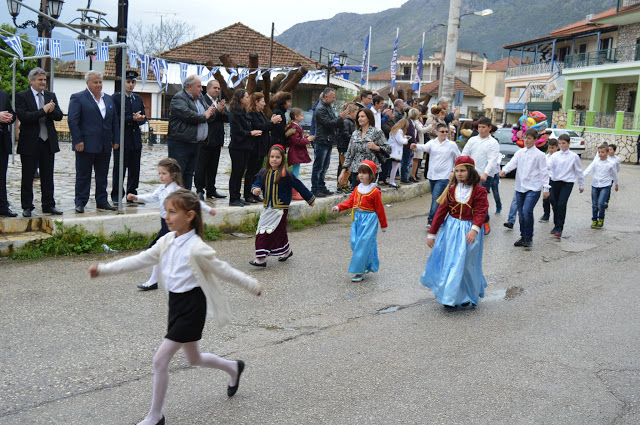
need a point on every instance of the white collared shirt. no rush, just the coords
(213, 101)
(377, 116)
(565, 166)
(616, 161)
(533, 172)
(442, 157)
(176, 274)
(160, 194)
(604, 172)
(100, 103)
(35, 96)
(485, 153)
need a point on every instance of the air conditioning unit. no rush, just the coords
(590, 18)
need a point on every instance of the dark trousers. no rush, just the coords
(85, 164)
(386, 169)
(187, 156)
(321, 161)
(559, 196)
(254, 164)
(45, 158)
(526, 203)
(495, 182)
(598, 200)
(404, 165)
(239, 161)
(131, 170)
(546, 206)
(4, 163)
(207, 169)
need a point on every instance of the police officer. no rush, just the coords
(134, 117)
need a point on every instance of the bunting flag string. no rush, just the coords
(80, 52)
(133, 59)
(200, 69)
(55, 49)
(15, 43)
(183, 72)
(41, 47)
(155, 65)
(103, 52)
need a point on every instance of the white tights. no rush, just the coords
(394, 170)
(161, 362)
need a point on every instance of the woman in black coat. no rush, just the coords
(280, 104)
(259, 122)
(244, 140)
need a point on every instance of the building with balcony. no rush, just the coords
(489, 79)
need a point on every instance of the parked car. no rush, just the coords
(508, 148)
(576, 145)
(308, 118)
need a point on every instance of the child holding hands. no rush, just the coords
(298, 153)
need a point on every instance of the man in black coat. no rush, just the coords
(209, 156)
(134, 117)
(7, 117)
(37, 109)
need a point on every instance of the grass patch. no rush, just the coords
(313, 220)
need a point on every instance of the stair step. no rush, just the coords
(11, 242)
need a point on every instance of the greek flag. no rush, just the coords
(15, 43)
(232, 73)
(336, 61)
(416, 82)
(103, 52)
(364, 60)
(200, 69)
(183, 72)
(165, 70)
(261, 73)
(41, 47)
(144, 67)
(55, 50)
(79, 50)
(133, 59)
(394, 62)
(155, 65)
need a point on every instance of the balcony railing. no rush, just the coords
(603, 57)
(534, 68)
(625, 4)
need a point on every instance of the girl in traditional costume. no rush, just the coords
(454, 268)
(277, 182)
(366, 201)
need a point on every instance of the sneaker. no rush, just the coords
(498, 210)
(508, 225)
(487, 228)
(600, 223)
(594, 224)
(525, 242)
(357, 278)
(558, 233)
(544, 219)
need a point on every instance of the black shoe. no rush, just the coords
(508, 225)
(258, 198)
(255, 263)
(319, 195)
(327, 192)
(412, 180)
(107, 207)
(143, 287)
(525, 242)
(236, 203)
(8, 213)
(26, 213)
(79, 209)
(200, 195)
(287, 257)
(232, 390)
(245, 202)
(216, 194)
(52, 210)
(250, 201)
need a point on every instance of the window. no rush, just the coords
(606, 43)
(406, 73)
(637, 56)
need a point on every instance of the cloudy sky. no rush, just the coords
(211, 15)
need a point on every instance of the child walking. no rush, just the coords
(605, 175)
(397, 140)
(298, 153)
(277, 182)
(190, 272)
(170, 177)
(618, 162)
(454, 269)
(532, 176)
(552, 147)
(564, 170)
(367, 210)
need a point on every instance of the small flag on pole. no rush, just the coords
(55, 49)
(183, 71)
(133, 59)
(15, 43)
(394, 61)
(79, 50)
(364, 61)
(416, 82)
(41, 47)
(103, 52)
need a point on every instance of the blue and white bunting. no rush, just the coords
(200, 69)
(336, 61)
(79, 50)
(15, 43)
(41, 47)
(133, 59)
(232, 73)
(183, 72)
(155, 65)
(261, 73)
(394, 61)
(165, 70)
(103, 52)
(364, 61)
(144, 67)
(55, 49)
(416, 82)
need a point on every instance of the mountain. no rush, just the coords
(512, 21)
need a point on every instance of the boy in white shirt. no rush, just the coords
(532, 176)
(618, 162)
(552, 147)
(605, 175)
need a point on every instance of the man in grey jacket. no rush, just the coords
(327, 126)
(187, 127)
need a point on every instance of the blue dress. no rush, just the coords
(364, 232)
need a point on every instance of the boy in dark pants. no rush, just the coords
(604, 175)
(552, 147)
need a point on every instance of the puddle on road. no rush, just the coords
(504, 294)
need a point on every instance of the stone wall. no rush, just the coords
(627, 36)
(559, 119)
(623, 96)
(627, 147)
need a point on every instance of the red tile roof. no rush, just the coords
(500, 65)
(582, 25)
(381, 76)
(237, 40)
(68, 69)
(432, 89)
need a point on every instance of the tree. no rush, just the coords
(22, 70)
(152, 39)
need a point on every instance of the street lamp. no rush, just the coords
(54, 8)
(342, 59)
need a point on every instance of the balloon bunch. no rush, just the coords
(536, 120)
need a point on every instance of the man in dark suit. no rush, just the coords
(37, 109)
(134, 117)
(209, 155)
(94, 128)
(7, 117)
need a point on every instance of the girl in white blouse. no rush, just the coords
(190, 273)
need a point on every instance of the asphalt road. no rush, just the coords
(555, 340)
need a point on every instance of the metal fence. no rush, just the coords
(602, 57)
(604, 120)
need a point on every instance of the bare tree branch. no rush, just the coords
(150, 39)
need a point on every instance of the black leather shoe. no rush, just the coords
(508, 225)
(245, 202)
(143, 287)
(52, 210)
(327, 192)
(319, 195)
(232, 390)
(216, 194)
(250, 200)
(255, 263)
(107, 207)
(236, 203)
(79, 209)
(287, 257)
(525, 242)
(201, 196)
(8, 213)
(258, 198)
(26, 213)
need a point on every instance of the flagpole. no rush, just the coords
(393, 89)
(123, 68)
(368, 58)
(13, 102)
(422, 69)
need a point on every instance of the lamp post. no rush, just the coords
(342, 59)
(448, 75)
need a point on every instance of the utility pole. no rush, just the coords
(444, 36)
(123, 14)
(452, 50)
(273, 28)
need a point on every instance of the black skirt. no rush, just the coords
(164, 229)
(187, 313)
